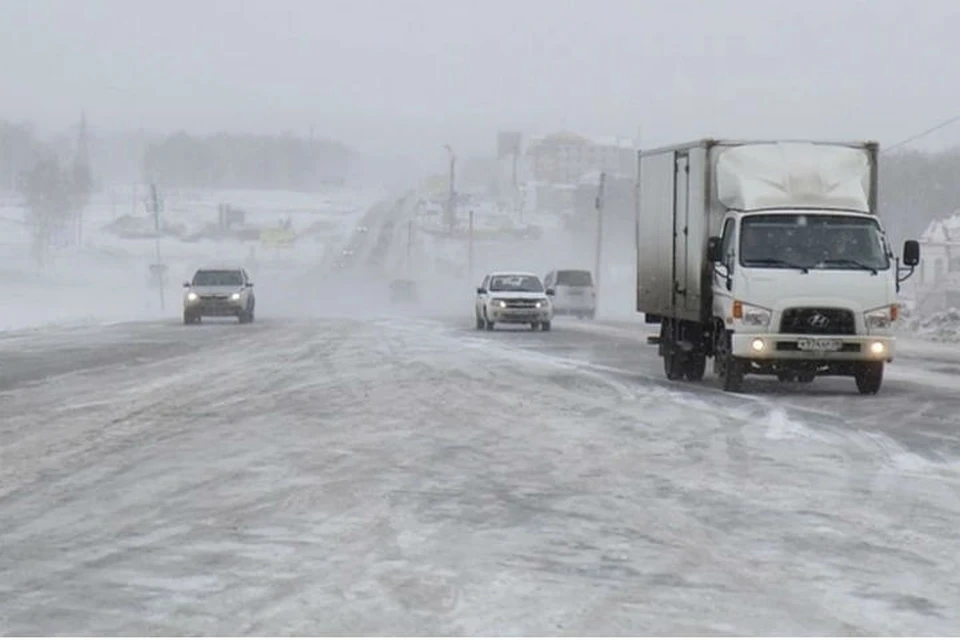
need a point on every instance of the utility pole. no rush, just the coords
(452, 197)
(158, 268)
(599, 205)
(470, 249)
(409, 245)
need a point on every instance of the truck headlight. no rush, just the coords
(542, 304)
(751, 315)
(235, 297)
(192, 297)
(882, 318)
(499, 304)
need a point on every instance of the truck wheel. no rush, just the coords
(545, 326)
(869, 377)
(673, 361)
(695, 367)
(673, 365)
(479, 321)
(730, 369)
(190, 319)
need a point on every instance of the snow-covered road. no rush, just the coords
(413, 476)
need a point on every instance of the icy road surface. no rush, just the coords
(417, 477)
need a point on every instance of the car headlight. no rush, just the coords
(541, 304)
(235, 297)
(881, 318)
(192, 297)
(751, 315)
(500, 304)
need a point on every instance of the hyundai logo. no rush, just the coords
(818, 321)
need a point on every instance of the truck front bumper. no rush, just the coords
(761, 347)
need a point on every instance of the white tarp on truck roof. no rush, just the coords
(793, 174)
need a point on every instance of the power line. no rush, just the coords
(943, 124)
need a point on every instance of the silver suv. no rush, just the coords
(574, 292)
(218, 293)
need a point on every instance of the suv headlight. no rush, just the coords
(235, 296)
(751, 315)
(881, 318)
(192, 297)
(499, 304)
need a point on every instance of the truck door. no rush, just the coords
(681, 212)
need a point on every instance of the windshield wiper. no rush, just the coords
(778, 262)
(852, 263)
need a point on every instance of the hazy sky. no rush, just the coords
(425, 72)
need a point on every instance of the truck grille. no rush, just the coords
(818, 321)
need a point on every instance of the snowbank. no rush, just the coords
(943, 326)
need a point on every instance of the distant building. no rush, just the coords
(938, 275)
(565, 157)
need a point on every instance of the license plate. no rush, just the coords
(819, 344)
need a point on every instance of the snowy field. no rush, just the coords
(350, 466)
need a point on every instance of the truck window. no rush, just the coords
(728, 239)
(814, 241)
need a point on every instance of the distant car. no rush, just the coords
(403, 290)
(219, 293)
(513, 297)
(574, 292)
(362, 229)
(347, 252)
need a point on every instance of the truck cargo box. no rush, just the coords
(685, 190)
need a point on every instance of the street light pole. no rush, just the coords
(599, 206)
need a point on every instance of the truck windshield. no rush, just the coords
(812, 241)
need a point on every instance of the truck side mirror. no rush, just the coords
(551, 292)
(713, 250)
(481, 290)
(186, 284)
(911, 253)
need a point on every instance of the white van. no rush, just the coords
(574, 292)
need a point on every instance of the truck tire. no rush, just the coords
(730, 369)
(869, 377)
(673, 365)
(480, 322)
(674, 362)
(545, 326)
(695, 366)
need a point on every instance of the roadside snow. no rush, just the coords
(943, 326)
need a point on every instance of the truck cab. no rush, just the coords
(802, 293)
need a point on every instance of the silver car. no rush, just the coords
(220, 293)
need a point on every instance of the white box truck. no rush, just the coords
(769, 257)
